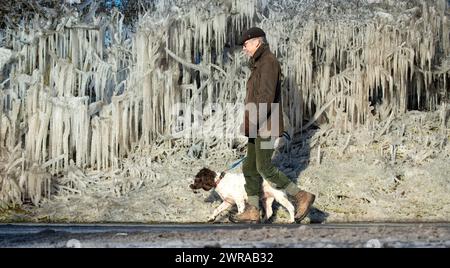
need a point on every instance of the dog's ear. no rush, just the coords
(206, 187)
(208, 183)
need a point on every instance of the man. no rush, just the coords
(264, 93)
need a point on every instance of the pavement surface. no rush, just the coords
(372, 235)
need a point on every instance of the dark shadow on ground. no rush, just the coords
(317, 216)
(293, 159)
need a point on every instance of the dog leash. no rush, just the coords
(286, 135)
(238, 162)
(231, 167)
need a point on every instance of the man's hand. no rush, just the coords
(282, 141)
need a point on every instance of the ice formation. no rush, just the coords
(79, 101)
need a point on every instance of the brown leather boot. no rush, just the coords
(303, 201)
(250, 215)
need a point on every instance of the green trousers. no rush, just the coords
(258, 165)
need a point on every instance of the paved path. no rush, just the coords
(226, 235)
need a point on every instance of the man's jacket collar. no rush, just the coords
(258, 53)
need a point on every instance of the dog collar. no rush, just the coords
(220, 178)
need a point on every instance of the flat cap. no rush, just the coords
(251, 33)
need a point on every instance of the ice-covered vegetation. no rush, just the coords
(88, 101)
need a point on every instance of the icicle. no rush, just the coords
(341, 62)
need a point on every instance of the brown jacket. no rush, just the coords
(264, 86)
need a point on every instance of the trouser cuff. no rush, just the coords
(254, 201)
(292, 189)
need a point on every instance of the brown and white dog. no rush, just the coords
(232, 191)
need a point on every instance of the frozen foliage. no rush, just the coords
(357, 179)
(5, 55)
(89, 106)
(365, 176)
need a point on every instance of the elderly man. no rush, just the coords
(262, 124)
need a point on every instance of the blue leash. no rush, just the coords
(232, 166)
(236, 164)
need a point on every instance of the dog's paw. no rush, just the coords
(211, 219)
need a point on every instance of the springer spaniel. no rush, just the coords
(230, 188)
